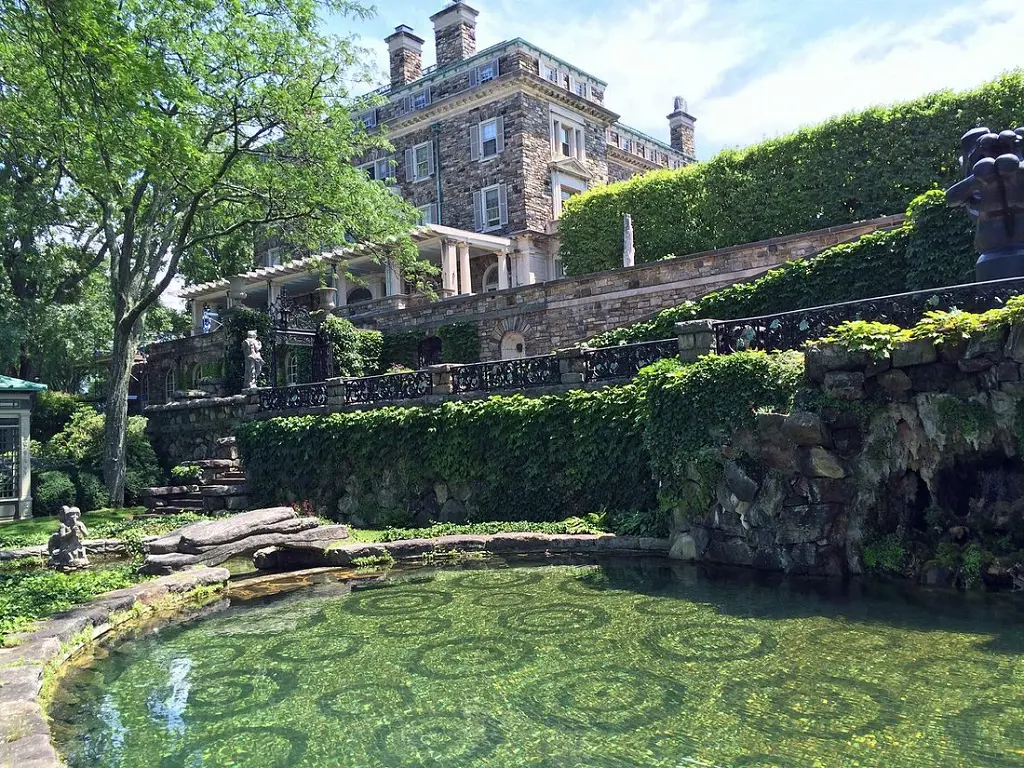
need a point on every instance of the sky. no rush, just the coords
(749, 69)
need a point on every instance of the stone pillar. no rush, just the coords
(449, 270)
(341, 283)
(335, 393)
(572, 364)
(465, 281)
(502, 270)
(696, 339)
(197, 317)
(441, 378)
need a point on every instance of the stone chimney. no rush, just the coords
(455, 33)
(681, 128)
(406, 52)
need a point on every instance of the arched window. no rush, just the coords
(491, 279)
(197, 375)
(170, 385)
(513, 346)
(359, 295)
(291, 369)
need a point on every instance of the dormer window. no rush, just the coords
(421, 99)
(551, 74)
(488, 72)
(581, 89)
(369, 119)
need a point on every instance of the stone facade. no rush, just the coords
(194, 429)
(563, 312)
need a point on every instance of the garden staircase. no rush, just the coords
(221, 487)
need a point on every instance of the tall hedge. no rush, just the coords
(933, 248)
(859, 166)
(537, 459)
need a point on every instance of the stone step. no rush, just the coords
(168, 490)
(230, 480)
(237, 489)
(226, 448)
(215, 463)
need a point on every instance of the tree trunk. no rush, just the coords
(116, 425)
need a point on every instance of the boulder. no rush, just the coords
(817, 462)
(845, 385)
(823, 358)
(895, 381)
(917, 352)
(1015, 344)
(739, 482)
(805, 429)
(684, 548)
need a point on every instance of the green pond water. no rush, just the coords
(617, 664)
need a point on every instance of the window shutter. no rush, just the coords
(430, 160)
(410, 165)
(581, 145)
(503, 203)
(555, 138)
(474, 142)
(494, 63)
(434, 214)
(426, 94)
(372, 121)
(474, 77)
(478, 215)
(404, 105)
(501, 134)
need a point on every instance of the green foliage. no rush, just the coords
(877, 339)
(79, 446)
(187, 473)
(51, 413)
(54, 489)
(30, 593)
(356, 352)
(460, 343)
(859, 166)
(237, 324)
(885, 555)
(572, 525)
(877, 264)
(91, 493)
(690, 411)
(532, 459)
(965, 418)
(401, 349)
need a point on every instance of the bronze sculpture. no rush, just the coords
(993, 193)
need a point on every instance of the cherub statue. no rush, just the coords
(67, 552)
(993, 193)
(251, 348)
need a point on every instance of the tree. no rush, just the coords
(189, 123)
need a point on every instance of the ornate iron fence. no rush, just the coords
(626, 360)
(524, 373)
(789, 330)
(300, 396)
(394, 386)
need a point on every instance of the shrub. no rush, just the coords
(855, 167)
(187, 473)
(237, 324)
(400, 349)
(91, 493)
(525, 459)
(51, 413)
(356, 352)
(933, 248)
(54, 490)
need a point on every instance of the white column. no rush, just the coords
(465, 280)
(197, 317)
(273, 293)
(502, 270)
(449, 277)
(25, 500)
(341, 283)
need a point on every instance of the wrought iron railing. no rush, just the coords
(394, 386)
(790, 330)
(524, 373)
(625, 361)
(298, 397)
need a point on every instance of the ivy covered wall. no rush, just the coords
(855, 167)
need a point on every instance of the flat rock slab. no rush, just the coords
(287, 557)
(24, 731)
(314, 539)
(211, 533)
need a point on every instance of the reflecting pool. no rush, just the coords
(619, 664)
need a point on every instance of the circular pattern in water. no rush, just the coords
(797, 705)
(498, 580)
(710, 642)
(362, 699)
(244, 747)
(402, 600)
(238, 692)
(315, 647)
(992, 733)
(439, 740)
(469, 657)
(416, 626)
(568, 618)
(609, 699)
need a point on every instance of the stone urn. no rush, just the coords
(328, 298)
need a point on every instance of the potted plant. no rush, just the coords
(327, 293)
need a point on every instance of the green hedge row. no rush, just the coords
(933, 248)
(536, 459)
(859, 166)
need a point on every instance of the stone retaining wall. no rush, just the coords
(191, 430)
(917, 452)
(24, 729)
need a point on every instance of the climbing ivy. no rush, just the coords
(851, 168)
(460, 343)
(237, 323)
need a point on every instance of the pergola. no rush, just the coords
(15, 462)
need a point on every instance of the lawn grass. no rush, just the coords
(121, 523)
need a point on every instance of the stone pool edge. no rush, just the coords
(25, 739)
(339, 555)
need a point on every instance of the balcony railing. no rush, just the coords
(626, 361)
(524, 373)
(394, 386)
(293, 398)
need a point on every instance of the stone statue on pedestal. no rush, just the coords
(993, 193)
(251, 347)
(67, 552)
